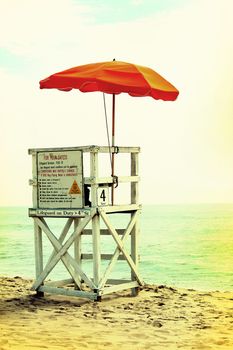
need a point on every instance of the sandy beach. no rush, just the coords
(159, 317)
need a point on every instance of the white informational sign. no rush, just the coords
(60, 179)
(103, 195)
(78, 213)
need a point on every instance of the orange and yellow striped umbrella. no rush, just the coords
(113, 77)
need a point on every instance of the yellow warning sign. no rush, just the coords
(74, 188)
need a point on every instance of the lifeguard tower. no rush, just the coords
(61, 189)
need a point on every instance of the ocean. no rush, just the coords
(188, 246)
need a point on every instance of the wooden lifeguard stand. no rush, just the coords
(60, 190)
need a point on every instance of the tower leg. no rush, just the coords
(135, 231)
(38, 253)
(96, 249)
(77, 248)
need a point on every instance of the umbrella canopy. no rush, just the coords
(113, 77)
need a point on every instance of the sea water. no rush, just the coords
(188, 246)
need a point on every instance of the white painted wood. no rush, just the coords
(135, 231)
(81, 213)
(38, 249)
(96, 248)
(95, 220)
(101, 149)
(121, 208)
(134, 253)
(94, 174)
(68, 261)
(77, 244)
(61, 238)
(103, 232)
(89, 256)
(127, 256)
(68, 292)
(120, 245)
(62, 251)
(117, 252)
(66, 258)
(60, 283)
(116, 281)
(105, 149)
(58, 213)
(118, 287)
(134, 172)
(109, 180)
(60, 149)
(34, 180)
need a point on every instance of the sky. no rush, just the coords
(186, 145)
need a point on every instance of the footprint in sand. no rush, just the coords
(107, 310)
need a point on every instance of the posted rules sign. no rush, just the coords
(60, 179)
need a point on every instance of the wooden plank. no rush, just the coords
(106, 149)
(111, 281)
(77, 243)
(121, 208)
(38, 249)
(86, 256)
(110, 180)
(34, 181)
(59, 283)
(93, 174)
(135, 230)
(58, 213)
(134, 253)
(104, 232)
(62, 251)
(95, 220)
(134, 172)
(77, 249)
(118, 287)
(120, 247)
(68, 292)
(61, 149)
(96, 249)
(92, 148)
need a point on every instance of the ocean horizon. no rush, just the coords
(187, 246)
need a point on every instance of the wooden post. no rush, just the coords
(95, 221)
(38, 253)
(135, 231)
(34, 180)
(77, 247)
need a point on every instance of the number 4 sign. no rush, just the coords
(103, 195)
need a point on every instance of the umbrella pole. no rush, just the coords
(113, 142)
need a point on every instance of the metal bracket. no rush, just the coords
(115, 181)
(115, 149)
(32, 182)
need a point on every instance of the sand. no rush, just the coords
(159, 318)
